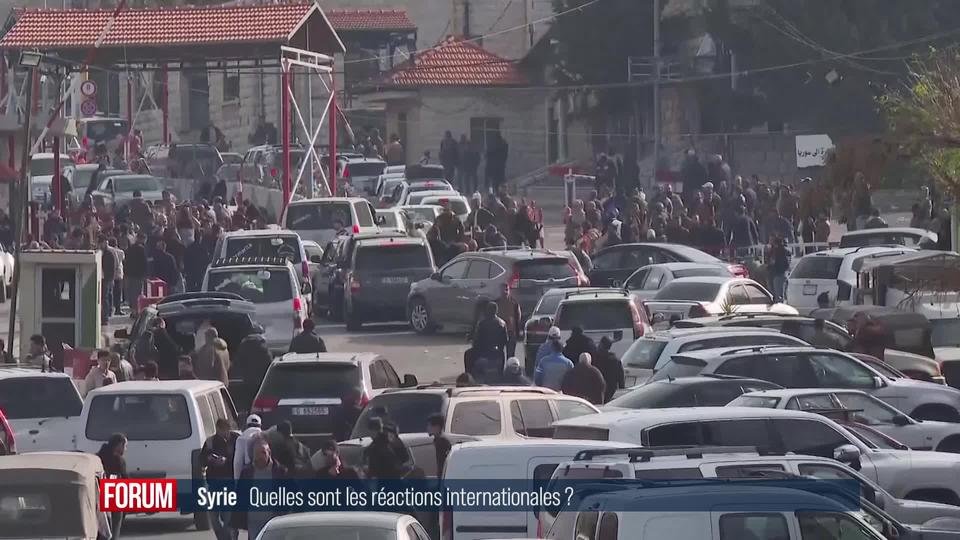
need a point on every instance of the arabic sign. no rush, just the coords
(812, 150)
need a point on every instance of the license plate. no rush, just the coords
(809, 290)
(311, 411)
(395, 280)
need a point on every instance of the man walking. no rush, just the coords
(610, 367)
(211, 362)
(552, 368)
(263, 468)
(135, 271)
(509, 310)
(217, 455)
(307, 342)
(100, 375)
(243, 450)
(449, 156)
(108, 268)
(584, 381)
(490, 339)
(119, 256)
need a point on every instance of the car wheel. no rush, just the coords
(937, 413)
(420, 317)
(354, 322)
(950, 444)
(201, 520)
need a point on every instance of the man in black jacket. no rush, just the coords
(345, 417)
(135, 271)
(610, 367)
(578, 343)
(165, 268)
(217, 456)
(307, 342)
(108, 268)
(490, 340)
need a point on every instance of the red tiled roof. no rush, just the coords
(79, 28)
(344, 20)
(456, 62)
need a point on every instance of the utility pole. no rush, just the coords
(656, 90)
(19, 205)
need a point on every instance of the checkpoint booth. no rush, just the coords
(61, 292)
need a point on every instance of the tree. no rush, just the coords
(924, 115)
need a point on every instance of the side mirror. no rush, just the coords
(436, 276)
(409, 381)
(878, 382)
(122, 333)
(316, 259)
(847, 454)
(901, 420)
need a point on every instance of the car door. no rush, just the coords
(325, 272)
(880, 416)
(472, 289)
(442, 296)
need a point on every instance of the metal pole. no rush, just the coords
(57, 198)
(21, 211)
(164, 100)
(126, 142)
(332, 119)
(285, 133)
(311, 183)
(656, 89)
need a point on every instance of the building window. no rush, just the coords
(231, 86)
(482, 131)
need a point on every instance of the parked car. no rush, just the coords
(703, 296)
(359, 525)
(392, 219)
(647, 280)
(116, 192)
(808, 367)
(322, 219)
(42, 173)
(701, 391)
(864, 409)
(362, 173)
(612, 266)
(891, 236)
(906, 474)
(451, 297)
(419, 197)
(830, 273)
(273, 286)
(271, 243)
(306, 389)
(42, 410)
(541, 319)
(610, 313)
(651, 352)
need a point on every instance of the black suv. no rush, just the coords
(378, 277)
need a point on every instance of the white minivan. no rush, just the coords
(531, 459)
(322, 219)
(166, 424)
(43, 409)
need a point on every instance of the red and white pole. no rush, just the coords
(332, 120)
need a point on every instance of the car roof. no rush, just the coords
(711, 379)
(459, 391)
(792, 392)
(48, 155)
(174, 307)
(363, 159)
(591, 296)
(419, 206)
(376, 520)
(345, 358)
(315, 200)
(676, 248)
(710, 279)
(256, 262)
(514, 444)
(516, 254)
(636, 417)
(392, 240)
(259, 233)
(192, 386)
(862, 250)
(23, 372)
(87, 167)
(681, 265)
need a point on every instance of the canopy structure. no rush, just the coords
(287, 35)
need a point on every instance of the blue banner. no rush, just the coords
(512, 495)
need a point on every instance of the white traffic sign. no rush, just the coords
(89, 107)
(88, 88)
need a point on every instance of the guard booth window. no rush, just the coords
(58, 307)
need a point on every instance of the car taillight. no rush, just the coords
(356, 229)
(274, 172)
(638, 326)
(364, 399)
(346, 172)
(264, 404)
(305, 268)
(514, 282)
(738, 270)
(354, 284)
(297, 310)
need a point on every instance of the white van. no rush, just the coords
(318, 219)
(532, 459)
(166, 424)
(718, 512)
(43, 409)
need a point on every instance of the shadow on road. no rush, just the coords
(156, 525)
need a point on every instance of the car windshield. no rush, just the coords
(817, 267)
(389, 219)
(81, 178)
(884, 238)
(423, 213)
(700, 292)
(457, 206)
(763, 402)
(546, 269)
(945, 332)
(260, 286)
(644, 353)
(393, 257)
(141, 417)
(407, 410)
(104, 130)
(319, 215)
(337, 532)
(309, 380)
(44, 166)
(138, 183)
(595, 315)
(287, 247)
(717, 271)
(366, 168)
(874, 439)
(39, 397)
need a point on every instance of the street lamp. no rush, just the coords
(30, 59)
